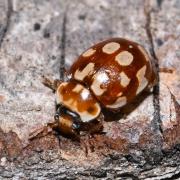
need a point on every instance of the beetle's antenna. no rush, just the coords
(52, 84)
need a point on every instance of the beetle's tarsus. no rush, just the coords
(87, 144)
(99, 126)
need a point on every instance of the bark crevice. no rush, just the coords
(7, 25)
(156, 90)
(63, 48)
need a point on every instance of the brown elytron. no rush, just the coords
(116, 73)
(109, 74)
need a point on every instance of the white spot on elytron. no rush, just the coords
(80, 75)
(77, 88)
(144, 52)
(72, 103)
(142, 80)
(111, 47)
(84, 94)
(130, 46)
(89, 52)
(124, 58)
(99, 79)
(121, 101)
(124, 79)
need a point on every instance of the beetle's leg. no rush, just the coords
(99, 125)
(93, 127)
(52, 84)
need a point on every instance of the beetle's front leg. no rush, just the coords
(95, 126)
(98, 128)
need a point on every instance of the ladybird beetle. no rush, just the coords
(108, 75)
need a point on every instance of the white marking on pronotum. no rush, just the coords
(141, 78)
(121, 101)
(99, 79)
(58, 92)
(124, 58)
(130, 46)
(111, 47)
(80, 75)
(124, 79)
(77, 88)
(144, 52)
(89, 52)
(86, 116)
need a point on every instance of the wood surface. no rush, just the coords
(43, 37)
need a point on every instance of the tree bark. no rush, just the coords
(43, 38)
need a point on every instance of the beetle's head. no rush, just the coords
(66, 125)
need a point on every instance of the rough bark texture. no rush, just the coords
(42, 38)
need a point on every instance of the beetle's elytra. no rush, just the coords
(109, 74)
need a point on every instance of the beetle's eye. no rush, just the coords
(56, 117)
